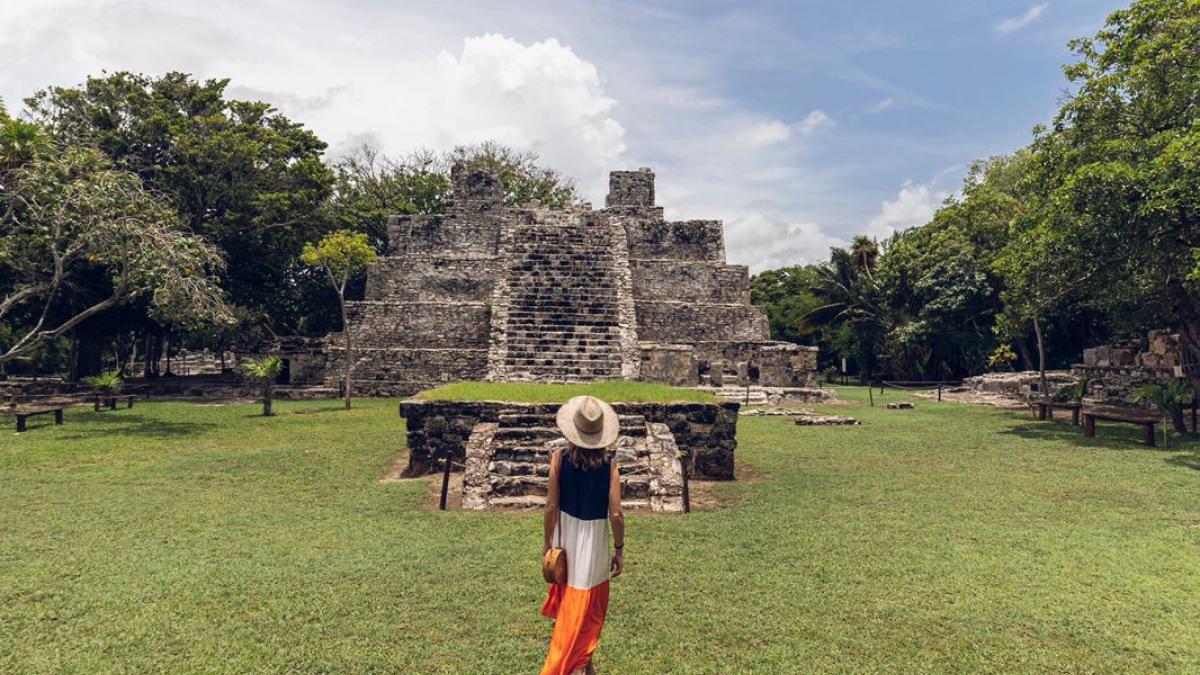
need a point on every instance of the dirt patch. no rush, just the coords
(396, 470)
(973, 397)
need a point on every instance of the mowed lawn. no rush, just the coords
(180, 538)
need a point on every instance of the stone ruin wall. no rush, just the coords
(436, 307)
(706, 432)
(1118, 370)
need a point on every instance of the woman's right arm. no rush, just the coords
(550, 517)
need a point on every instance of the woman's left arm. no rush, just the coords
(617, 517)
(550, 515)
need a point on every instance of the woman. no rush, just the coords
(584, 496)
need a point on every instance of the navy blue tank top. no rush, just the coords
(583, 493)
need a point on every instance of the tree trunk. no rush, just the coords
(1023, 349)
(1177, 420)
(1187, 322)
(1041, 348)
(268, 394)
(349, 353)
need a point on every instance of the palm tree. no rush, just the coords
(850, 297)
(265, 370)
(1168, 399)
(865, 252)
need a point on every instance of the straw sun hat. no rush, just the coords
(588, 423)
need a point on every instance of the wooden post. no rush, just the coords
(1089, 426)
(871, 394)
(687, 501)
(20, 423)
(58, 417)
(939, 392)
(445, 481)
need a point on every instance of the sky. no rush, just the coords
(799, 124)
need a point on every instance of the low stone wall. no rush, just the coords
(1118, 385)
(707, 432)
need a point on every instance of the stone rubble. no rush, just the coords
(825, 420)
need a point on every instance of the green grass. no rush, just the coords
(177, 538)
(609, 390)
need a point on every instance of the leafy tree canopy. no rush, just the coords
(239, 173)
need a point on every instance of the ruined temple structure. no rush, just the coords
(487, 291)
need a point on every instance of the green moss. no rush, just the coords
(610, 390)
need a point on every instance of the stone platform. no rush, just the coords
(704, 432)
(508, 463)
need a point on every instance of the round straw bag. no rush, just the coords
(554, 565)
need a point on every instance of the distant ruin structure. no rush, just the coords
(488, 291)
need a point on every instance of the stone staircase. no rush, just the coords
(562, 319)
(508, 464)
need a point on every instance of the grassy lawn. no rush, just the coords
(180, 538)
(609, 390)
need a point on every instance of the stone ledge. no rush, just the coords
(706, 432)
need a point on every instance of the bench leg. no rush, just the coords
(96, 405)
(1089, 426)
(130, 404)
(1148, 434)
(112, 404)
(20, 423)
(58, 417)
(1075, 417)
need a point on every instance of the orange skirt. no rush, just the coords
(578, 618)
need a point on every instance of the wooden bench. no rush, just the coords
(1128, 416)
(111, 401)
(25, 413)
(1045, 409)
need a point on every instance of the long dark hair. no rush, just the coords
(586, 460)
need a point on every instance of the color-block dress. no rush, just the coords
(579, 606)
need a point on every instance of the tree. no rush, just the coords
(1168, 399)
(265, 370)
(849, 297)
(524, 180)
(342, 255)
(865, 252)
(1123, 157)
(239, 173)
(79, 237)
(369, 186)
(1039, 269)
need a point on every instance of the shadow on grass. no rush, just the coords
(131, 424)
(1188, 461)
(1107, 437)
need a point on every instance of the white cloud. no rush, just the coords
(1016, 23)
(880, 106)
(815, 120)
(406, 75)
(913, 206)
(771, 132)
(765, 133)
(317, 68)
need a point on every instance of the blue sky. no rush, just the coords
(798, 123)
